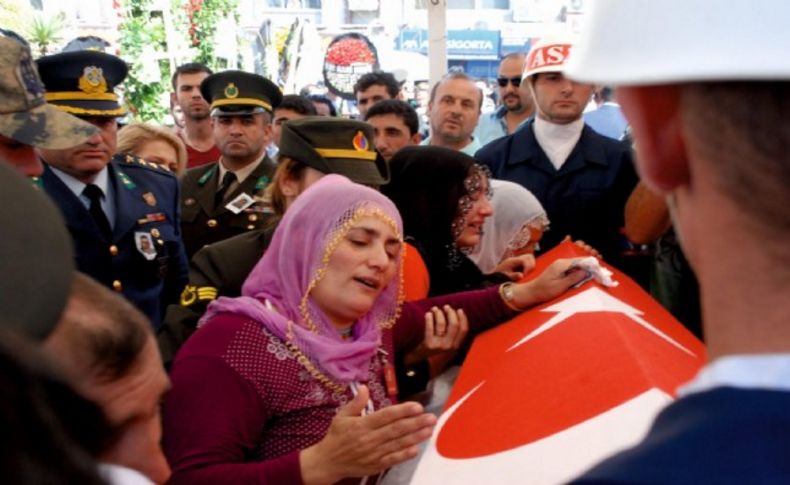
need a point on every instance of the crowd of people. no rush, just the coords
(264, 294)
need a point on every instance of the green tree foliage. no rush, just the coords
(204, 15)
(45, 32)
(142, 33)
(143, 41)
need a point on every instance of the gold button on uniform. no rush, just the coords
(253, 217)
(251, 227)
(212, 223)
(155, 232)
(116, 285)
(113, 250)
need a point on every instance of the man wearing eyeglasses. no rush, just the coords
(517, 105)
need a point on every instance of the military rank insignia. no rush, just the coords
(150, 199)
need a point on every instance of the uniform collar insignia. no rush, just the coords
(206, 176)
(261, 183)
(125, 180)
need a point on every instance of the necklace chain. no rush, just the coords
(314, 371)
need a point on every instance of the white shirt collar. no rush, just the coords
(556, 140)
(242, 173)
(746, 371)
(102, 181)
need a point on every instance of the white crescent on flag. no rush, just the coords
(562, 386)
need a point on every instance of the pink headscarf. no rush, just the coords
(311, 227)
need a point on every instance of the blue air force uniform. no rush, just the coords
(144, 258)
(126, 233)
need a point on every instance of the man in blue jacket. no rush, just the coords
(122, 212)
(581, 178)
(709, 113)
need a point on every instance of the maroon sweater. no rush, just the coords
(242, 407)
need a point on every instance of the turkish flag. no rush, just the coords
(561, 386)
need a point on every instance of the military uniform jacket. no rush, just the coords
(202, 224)
(146, 207)
(216, 270)
(585, 198)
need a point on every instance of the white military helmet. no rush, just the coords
(549, 54)
(644, 42)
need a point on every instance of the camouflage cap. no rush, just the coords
(334, 145)
(36, 258)
(24, 115)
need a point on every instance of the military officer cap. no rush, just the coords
(234, 93)
(83, 82)
(24, 115)
(334, 145)
(36, 259)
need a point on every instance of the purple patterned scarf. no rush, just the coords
(291, 262)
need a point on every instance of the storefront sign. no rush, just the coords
(461, 44)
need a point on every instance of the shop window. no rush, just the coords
(497, 4)
(315, 4)
(451, 4)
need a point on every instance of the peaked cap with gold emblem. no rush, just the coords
(334, 145)
(83, 82)
(233, 93)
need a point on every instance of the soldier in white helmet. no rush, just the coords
(581, 178)
(706, 89)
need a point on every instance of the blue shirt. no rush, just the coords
(469, 149)
(608, 120)
(492, 126)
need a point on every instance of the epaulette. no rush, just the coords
(135, 161)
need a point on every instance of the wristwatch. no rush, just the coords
(508, 295)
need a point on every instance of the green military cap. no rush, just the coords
(36, 259)
(334, 145)
(233, 93)
(83, 82)
(24, 115)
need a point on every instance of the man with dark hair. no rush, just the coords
(580, 177)
(292, 107)
(106, 350)
(223, 199)
(516, 104)
(374, 87)
(709, 115)
(453, 110)
(395, 125)
(197, 133)
(323, 105)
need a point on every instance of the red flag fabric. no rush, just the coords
(561, 386)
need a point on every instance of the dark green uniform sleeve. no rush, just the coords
(216, 270)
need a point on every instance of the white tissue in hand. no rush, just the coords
(598, 272)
